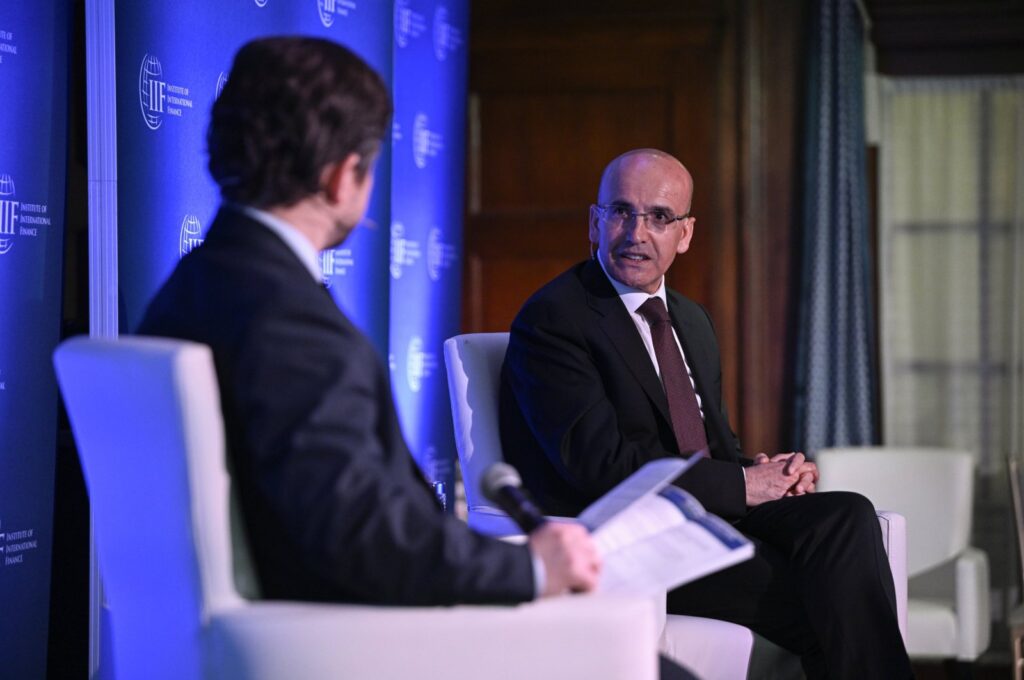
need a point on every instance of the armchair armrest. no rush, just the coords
(972, 605)
(894, 538)
(580, 637)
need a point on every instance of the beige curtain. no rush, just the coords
(951, 251)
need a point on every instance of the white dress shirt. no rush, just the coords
(632, 298)
(296, 241)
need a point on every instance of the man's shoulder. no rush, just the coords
(568, 289)
(690, 313)
(683, 302)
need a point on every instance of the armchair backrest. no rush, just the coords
(474, 363)
(146, 417)
(932, 488)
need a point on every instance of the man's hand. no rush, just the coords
(570, 558)
(797, 464)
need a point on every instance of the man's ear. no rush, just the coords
(686, 233)
(595, 228)
(341, 180)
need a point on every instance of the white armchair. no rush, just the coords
(1015, 619)
(708, 648)
(948, 605)
(146, 416)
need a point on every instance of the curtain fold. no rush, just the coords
(834, 397)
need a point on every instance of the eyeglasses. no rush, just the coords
(658, 219)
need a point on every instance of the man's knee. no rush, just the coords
(846, 514)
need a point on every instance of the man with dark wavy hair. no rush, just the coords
(333, 506)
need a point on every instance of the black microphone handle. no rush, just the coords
(520, 508)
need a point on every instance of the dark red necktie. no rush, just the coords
(682, 400)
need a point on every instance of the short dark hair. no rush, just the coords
(291, 106)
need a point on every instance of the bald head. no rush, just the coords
(642, 217)
(631, 162)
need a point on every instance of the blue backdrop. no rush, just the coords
(426, 221)
(34, 43)
(172, 58)
(398, 276)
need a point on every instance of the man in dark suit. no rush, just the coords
(333, 505)
(601, 376)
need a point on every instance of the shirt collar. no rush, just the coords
(633, 297)
(292, 237)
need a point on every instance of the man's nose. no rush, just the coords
(636, 228)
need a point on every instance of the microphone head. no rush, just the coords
(498, 476)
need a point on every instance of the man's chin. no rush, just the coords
(641, 280)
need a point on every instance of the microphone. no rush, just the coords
(503, 487)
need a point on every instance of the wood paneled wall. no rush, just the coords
(559, 89)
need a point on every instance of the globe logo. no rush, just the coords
(191, 235)
(222, 80)
(326, 9)
(261, 3)
(152, 91)
(442, 33)
(8, 214)
(403, 22)
(420, 140)
(415, 364)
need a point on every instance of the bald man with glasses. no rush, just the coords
(608, 369)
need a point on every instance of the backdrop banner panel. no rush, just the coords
(34, 40)
(172, 60)
(428, 168)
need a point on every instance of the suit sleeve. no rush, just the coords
(326, 459)
(555, 375)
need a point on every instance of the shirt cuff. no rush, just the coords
(540, 576)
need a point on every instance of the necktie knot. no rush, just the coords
(654, 311)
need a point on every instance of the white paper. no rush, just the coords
(654, 537)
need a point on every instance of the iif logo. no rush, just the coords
(191, 235)
(440, 255)
(447, 38)
(419, 365)
(425, 142)
(336, 263)
(404, 252)
(8, 213)
(409, 23)
(261, 3)
(152, 91)
(328, 9)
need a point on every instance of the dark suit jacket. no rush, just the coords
(582, 407)
(334, 507)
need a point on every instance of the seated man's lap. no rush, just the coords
(801, 544)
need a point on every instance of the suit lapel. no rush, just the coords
(616, 323)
